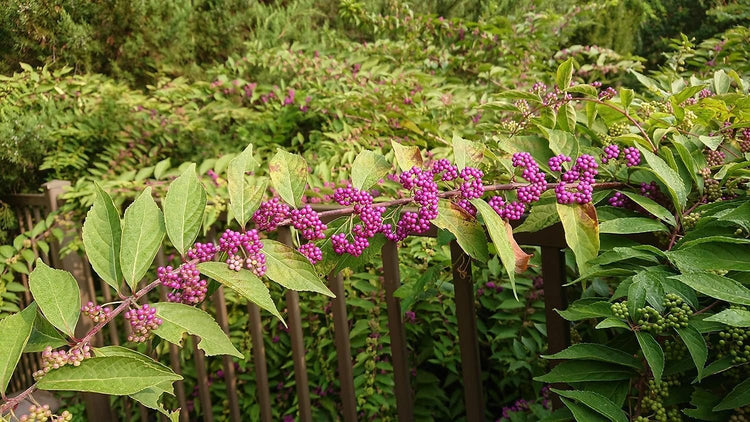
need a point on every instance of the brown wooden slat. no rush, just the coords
(37, 218)
(467, 334)
(114, 335)
(202, 378)
(294, 321)
(392, 281)
(26, 299)
(259, 359)
(26, 199)
(230, 377)
(558, 329)
(343, 348)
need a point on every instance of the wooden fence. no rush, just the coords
(31, 208)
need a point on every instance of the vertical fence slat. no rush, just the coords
(24, 278)
(230, 377)
(294, 320)
(343, 348)
(392, 281)
(467, 333)
(259, 359)
(558, 330)
(201, 376)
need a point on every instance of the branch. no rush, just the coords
(624, 113)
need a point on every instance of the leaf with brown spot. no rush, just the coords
(522, 258)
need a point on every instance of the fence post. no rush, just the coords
(343, 348)
(97, 405)
(558, 329)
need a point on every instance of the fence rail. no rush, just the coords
(32, 208)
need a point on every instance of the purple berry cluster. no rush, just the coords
(203, 252)
(244, 250)
(715, 158)
(269, 214)
(555, 163)
(96, 312)
(142, 321)
(312, 252)
(185, 282)
(468, 207)
(576, 184)
(472, 186)
(425, 192)
(745, 141)
(371, 221)
(632, 156)
(53, 359)
(611, 152)
(537, 183)
(508, 210)
(307, 221)
(607, 94)
(445, 169)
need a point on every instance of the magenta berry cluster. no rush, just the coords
(142, 320)
(54, 359)
(307, 221)
(467, 206)
(244, 250)
(745, 141)
(611, 152)
(555, 163)
(269, 214)
(97, 313)
(576, 184)
(508, 210)
(371, 221)
(445, 169)
(185, 282)
(312, 252)
(715, 158)
(537, 182)
(632, 156)
(472, 186)
(425, 193)
(607, 94)
(203, 252)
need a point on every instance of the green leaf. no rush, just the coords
(368, 168)
(406, 156)
(708, 255)
(502, 237)
(585, 309)
(466, 152)
(540, 217)
(116, 375)
(597, 402)
(737, 398)
(652, 206)
(561, 142)
(468, 232)
(668, 176)
(57, 295)
(582, 413)
(245, 196)
(291, 269)
(142, 234)
(288, 176)
(243, 282)
(696, 345)
(43, 335)
(101, 235)
(161, 167)
(598, 352)
(578, 370)
(652, 352)
(716, 286)
(184, 205)
(564, 74)
(721, 82)
(612, 323)
(178, 319)
(732, 317)
(631, 225)
(626, 98)
(14, 333)
(581, 232)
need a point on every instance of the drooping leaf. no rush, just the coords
(368, 168)
(696, 345)
(541, 216)
(669, 176)
(288, 176)
(585, 309)
(101, 236)
(652, 206)
(737, 398)
(466, 152)
(291, 269)
(582, 413)
(43, 335)
(142, 233)
(716, 286)
(599, 352)
(116, 375)
(579, 370)
(631, 225)
(468, 232)
(244, 282)
(57, 295)
(244, 195)
(179, 318)
(581, 232)
(652, 352)
(406, 156)
(732, 317)
(184, 205)
(597, 402)
(14, 333)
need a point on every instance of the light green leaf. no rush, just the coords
(598, 352)
(291, 269)
(581, 232)
(57, 295)
(101, 235)
(732, 317)
(243, 282)
(580, 370)
(626, 98)
(142, 234)
(288, 176)
(716, 286)
(652, 206)
(466, 152)
(14, 333)
(737, 398)
(244, 196)
(184, 205)
(161, 167)
(631, 225)
(368, 168)
(721, 82)
(696, 345)
(117, 375)
(564, 74)
(468, 232)
(406, 156)
(597, 402)
(667, 175)
(43, 335)
(179, 318)
(540, 217)
(562, 142)
(652, 352)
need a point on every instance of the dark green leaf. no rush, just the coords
(184, 205)
(652, 352)
(14, 333)
(597, 402)
(696, 346)
(716, 286)
(599, 352)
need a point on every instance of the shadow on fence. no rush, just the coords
(32, 208)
